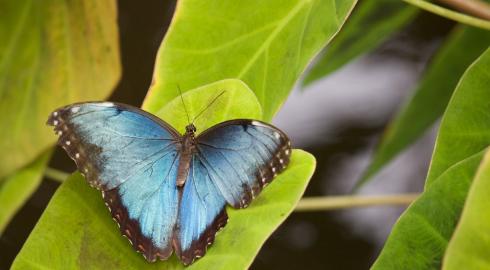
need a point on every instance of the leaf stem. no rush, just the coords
(450, 14)
(55, 174)
(476, 8)
(340, 202)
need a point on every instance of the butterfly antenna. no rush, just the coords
(183, 103)
(209, 105)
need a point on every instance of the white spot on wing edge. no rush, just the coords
(55, 122)
(67, 142)
(106, 104)
(55, 113)
(257, 123)
(75, 109)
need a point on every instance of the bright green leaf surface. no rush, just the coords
(430, 100)
(470, 245)
(371, 23)
(237, 101)
(266, 44)
(420, 236)
(52, 53)
(76, 230)
(89, 238)
(465, 126)
(16, 189)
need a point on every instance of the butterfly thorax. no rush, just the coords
(188, 146)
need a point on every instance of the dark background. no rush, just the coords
(315, 240)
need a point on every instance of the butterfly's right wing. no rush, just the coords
(132, 157)
(242, 156)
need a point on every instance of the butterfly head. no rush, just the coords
(190, 129)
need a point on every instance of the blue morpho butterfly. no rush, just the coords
(166, 191)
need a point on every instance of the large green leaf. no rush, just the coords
(430, 100)
(420, 237)
(89, 237)
(267, 44)
(371, 23)
(469, 247)
(16, 189)
(51, 53)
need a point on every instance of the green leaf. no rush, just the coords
(51, 53)
(421, 234)
(236, 101)
(420, 237)
(465, 126)
(469, 246)
(17, 188)
(430, 100)
(89, 237)
(76, 230)
(371, 23)
(266, 44)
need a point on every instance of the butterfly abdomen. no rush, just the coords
(187, 150)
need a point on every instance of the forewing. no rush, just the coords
(109, 141)
(131, 156)
(242, 156)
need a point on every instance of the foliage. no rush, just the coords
(266, 44)
(432, 95)
(420, 237)
(471, 240)
(236, 101)
(58, 52)
(51, 53)
(421, 234)
(465, 126)
(371, 23)
(16, 188)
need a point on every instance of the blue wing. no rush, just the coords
(242, 156)
(201, 213)
(132, 157)
(233, 162)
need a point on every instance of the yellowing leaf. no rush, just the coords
(52, 53)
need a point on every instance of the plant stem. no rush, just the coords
(450, 14)
(340, 202)
(473, 7)
(55, 174)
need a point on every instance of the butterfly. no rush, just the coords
(168, 192)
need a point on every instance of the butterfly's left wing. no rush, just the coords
(233, 162)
